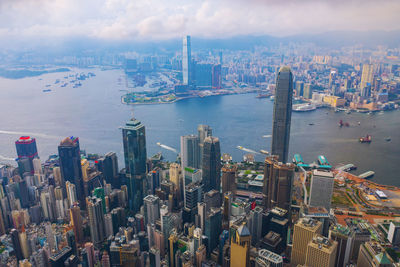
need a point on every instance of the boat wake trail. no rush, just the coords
(28, 133)
(6, 158)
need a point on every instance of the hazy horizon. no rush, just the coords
(46, 22)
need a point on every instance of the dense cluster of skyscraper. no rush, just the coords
(78, 209)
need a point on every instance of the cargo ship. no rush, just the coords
(365, 139)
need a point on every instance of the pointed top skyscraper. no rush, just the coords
(282, 114)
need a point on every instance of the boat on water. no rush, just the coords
(311, 124)
(365, 139)
(46, 90)
(348, 111)
(272, 98)
(262, 95)
(342, 123)
(304, 107)
(388, 139)
(265, 152)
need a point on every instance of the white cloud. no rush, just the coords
(162, 19)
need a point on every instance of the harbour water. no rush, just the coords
(94, 112)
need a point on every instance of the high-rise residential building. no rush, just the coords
(299, 88)
(151, 208)
(70, 165)
(303, 232)
(228, 179)
(342, 235)
(16, 244)
(134, 139)
(211, 167)
(266, 258)
(76, 220)
(367, 75)
(394, 233)
(372, 254)
(240, 247)
(216, 76)
(321, 252)
(190, 151)
(278, 179)
(282, 114)
(96, 220)
(71, 193)
(186, 61)
(321, 189)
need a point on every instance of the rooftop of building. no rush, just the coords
(285, 69)
(279, 211)
(322, 242)
(327, 174)
(270, 256)
(243, 230)
(308, 222)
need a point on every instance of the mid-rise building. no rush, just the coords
(321, 252)
(321, 189)
(372, 254)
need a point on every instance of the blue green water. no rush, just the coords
(94, 112)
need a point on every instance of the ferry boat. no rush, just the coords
(304, 107)
(365, 139)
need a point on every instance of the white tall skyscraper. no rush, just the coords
(186, 61)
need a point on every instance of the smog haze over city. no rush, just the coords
(209, 133)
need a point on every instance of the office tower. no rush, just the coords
(303, 232)
(282, 114)
(203, 74)
(212, 228)
(278, 179)
(201, 255)
(394, 233)
(90, 254)
(266, 258)
(173, 248)
(228, 179)
(37, 166)
(71, 261)
(186, 61)
(321, 189)
(342, 235)
(212, 199)
(299, 88)
(367, 75)
(108, 225)
(16, 244)
(175, 177)
(24, 243)
(154, 255)
(25, 263)
(201, 212)
(105, 260)
(307, 92)
(71, 193)
(255, 224)
(57, 176)
(134, 139)
(211, 167)
(85, 167)
(216, 76)
(50, 237)
(129, 255)
(321, 252)
(191, 175)
(58, 259)
(190, 151)
(96, 220)
(360, 235)
(240, 247)
(226, 212)
(24, 165)
(26, 147)
(153, 180)
(76, 221)
(372, 254)
(70, 165)
(203, 132)
(108, 166)
(151, 209)
(193, 194)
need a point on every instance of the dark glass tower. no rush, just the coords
(211, 164)
(282, 114)
(70, 165)
(134, 139)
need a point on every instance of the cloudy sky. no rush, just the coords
(166, 19)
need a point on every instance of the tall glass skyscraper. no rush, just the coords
(186, 61)
(190, 151)
(70, 166)
(134, 139)
(211, 164)
(282, 114)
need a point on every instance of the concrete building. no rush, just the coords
(321, 189)
(321, 252)
(372, 254)
(394, 233)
